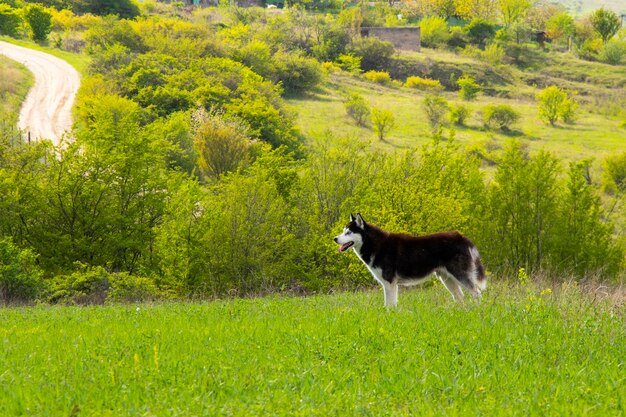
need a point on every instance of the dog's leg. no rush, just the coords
(391, 293)
(451, 284)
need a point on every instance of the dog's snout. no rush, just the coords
(336, 240)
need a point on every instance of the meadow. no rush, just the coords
(521, 351)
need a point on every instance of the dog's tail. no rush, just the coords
(479, 278)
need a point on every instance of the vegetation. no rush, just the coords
(322, 355)
(189, 174)
(555, 105)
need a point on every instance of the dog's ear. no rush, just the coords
(359, 221)
(351, 218)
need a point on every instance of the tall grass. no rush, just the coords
(15, 81)
(521, 351)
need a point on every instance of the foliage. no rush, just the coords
(383, 122)
(468, 87)
(423, 84)
(480, 31)
(606, 23)
(39, 20)
(222, 145)
(613, 52)
(560, 26)
(357, 109)
(434, 31)
(459, 114)
(349, 63)
(296, 73)
(20, 277)
(379, 77)
(374, 53)
(554, 104)
(614, 174)
(10, 20)
(500, 116)
(436, 109)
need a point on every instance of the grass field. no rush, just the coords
(15, 81)
(519, 352)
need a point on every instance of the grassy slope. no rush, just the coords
(15, 81)
(593, 135)
(517, 353)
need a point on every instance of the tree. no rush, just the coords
(468, 88)
(383, 121)
(9, 20)
(500, 116)
(606, 23)
(436, 109)
(357, 109)
(560, 25)
(39, 20)
(554, 104)
(513, 11)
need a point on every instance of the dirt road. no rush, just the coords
(47, 110)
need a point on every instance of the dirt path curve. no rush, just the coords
(47, 109)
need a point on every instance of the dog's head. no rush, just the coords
(352, 236)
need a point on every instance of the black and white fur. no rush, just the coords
(397, 259)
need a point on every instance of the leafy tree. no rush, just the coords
(9, 20)
(606, 23)
(357, 109)
(383, 122)
(560, 26)
(21, 280)
(39, 20)
(374, 53)
(468, 87)
(500, 116)
(436, 109)
(434, 31)
(512, 11)
(554, 104)
(480, 31)
(458, 114)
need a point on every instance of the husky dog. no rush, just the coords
(401, 259)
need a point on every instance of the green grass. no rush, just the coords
(516, 353)
(15, 81)
(592, 135)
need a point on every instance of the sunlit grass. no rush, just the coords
(78, 61)
(519, 352)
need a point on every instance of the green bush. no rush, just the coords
(295, 72)
(21, 280)
(39, 20)
(379, 77)
(554, 105)
(436, 109)
(468, 88)
(383, 122)
(614, 174)
(10, 20)
(357, 109)
(480, 31)
(459, 114)
(423, 84)
(374, 53)
(613, 52)
(500, 116)
(434, 31)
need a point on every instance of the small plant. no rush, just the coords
(459, 114)
(468, 88)
(613, 52)
(349, 63)
(436, 109)
(423, 84)
(357, 109)
(379, 77)
(500, 116)
(383, 121)
(554, 104)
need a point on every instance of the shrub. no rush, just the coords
(500, 116)
(613, 52)
(374, 53)
(468, 88)
(20, 277)
(423, 84)
(434, 31)
(379, 77)
(349, 63)
(9, 20)
(614, 175)
(554, 105)
(39, 20)
(458, 114)
(297, 73)
(383, 121)
(357, 109)
(436, 109)
(494, 54)
(480, 31)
